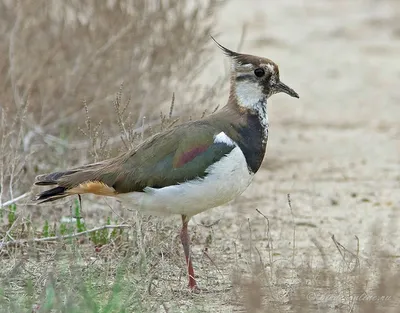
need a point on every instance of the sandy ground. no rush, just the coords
(336, 151)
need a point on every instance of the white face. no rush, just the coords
(249, 93)
(254, 84)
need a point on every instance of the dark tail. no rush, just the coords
(48, 180)
(84, 179)
(51, 195)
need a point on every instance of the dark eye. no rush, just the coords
(259, 72)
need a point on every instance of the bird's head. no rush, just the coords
(254, 78)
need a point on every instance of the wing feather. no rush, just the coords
(166, 159)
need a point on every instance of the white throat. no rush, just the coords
(250, 96)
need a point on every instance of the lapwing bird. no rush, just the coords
(193, 167)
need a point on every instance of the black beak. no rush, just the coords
(281, 87)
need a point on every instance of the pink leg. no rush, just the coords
(186, 247)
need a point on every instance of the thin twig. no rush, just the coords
(342, 250)
(8, 232)
(251, 239)
(171, 108)
(55, 238)
(210, 225)
(213, 263)
(294, 226)
(11, 53)
(12, 201)
(143, 125)
(111, 208)
(270, 244)
(339, 247)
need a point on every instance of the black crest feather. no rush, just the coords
(228, 52)
(240, 58)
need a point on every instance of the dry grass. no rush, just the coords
(141, 269)
(335, 285)
(82, 81)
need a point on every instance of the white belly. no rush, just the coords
(225, 180)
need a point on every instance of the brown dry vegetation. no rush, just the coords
(82, 80)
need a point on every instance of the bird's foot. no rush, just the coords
(194, 288)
